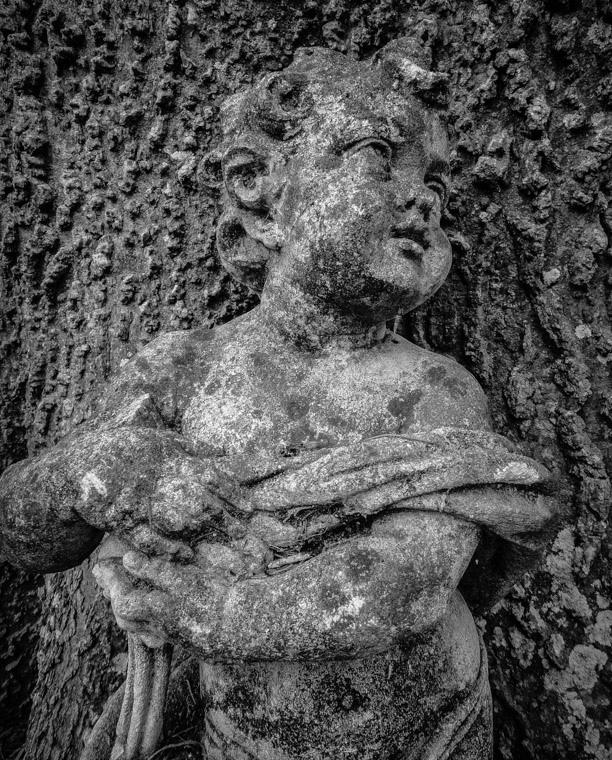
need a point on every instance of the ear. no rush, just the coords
(246, 177)
(253, 189)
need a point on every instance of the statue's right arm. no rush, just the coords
(123, 472)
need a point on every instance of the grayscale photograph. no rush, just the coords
(305, 380)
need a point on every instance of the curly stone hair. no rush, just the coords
(261, 129)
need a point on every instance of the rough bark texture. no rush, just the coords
(107, 239)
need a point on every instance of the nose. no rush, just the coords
(421, 199)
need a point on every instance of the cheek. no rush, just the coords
(349, 219)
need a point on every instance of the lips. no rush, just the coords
(413, 238)
(410, 249)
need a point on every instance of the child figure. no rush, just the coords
(301, 490)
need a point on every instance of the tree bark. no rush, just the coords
(107, 238)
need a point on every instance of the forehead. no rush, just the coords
(349, 109)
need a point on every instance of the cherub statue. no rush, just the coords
(300, 497)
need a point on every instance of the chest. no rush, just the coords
(283, 408)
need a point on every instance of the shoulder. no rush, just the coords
(165, 370)
(169, 353)
(440, 391)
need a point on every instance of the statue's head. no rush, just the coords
(333, 175)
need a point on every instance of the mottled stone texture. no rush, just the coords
(107, 239)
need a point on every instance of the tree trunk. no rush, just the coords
(107, 238)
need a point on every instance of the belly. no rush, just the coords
(404, 703)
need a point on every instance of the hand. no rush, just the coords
(117, 587)
(171, 500)
(192, 495)
(161, 600)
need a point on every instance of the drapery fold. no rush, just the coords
(477, 476)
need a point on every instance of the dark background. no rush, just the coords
(106, 110)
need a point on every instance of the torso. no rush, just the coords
(231, 393)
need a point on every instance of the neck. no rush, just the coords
(300, 319)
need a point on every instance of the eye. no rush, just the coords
(375, 151)
(439, 187)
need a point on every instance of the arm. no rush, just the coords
(353, 599)
(124, 473)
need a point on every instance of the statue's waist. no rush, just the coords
(280, 710)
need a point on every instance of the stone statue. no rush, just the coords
(301, 498)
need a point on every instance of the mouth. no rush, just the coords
(412, 241)
(409, 248)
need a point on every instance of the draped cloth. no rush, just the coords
(476, 476)
(459, 726)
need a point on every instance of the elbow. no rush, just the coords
(51, 552)
(33, 536)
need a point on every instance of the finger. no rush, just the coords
(150, 634)
(132, 626)
(99, 574)
(112, 577)
(138, 606)
(112, 548)
(154, 640)
(148, 541)
(159, 572)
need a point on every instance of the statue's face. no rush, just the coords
(364, 195)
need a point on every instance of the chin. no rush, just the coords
(383, 303)
(391, 282)
(396, 298)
